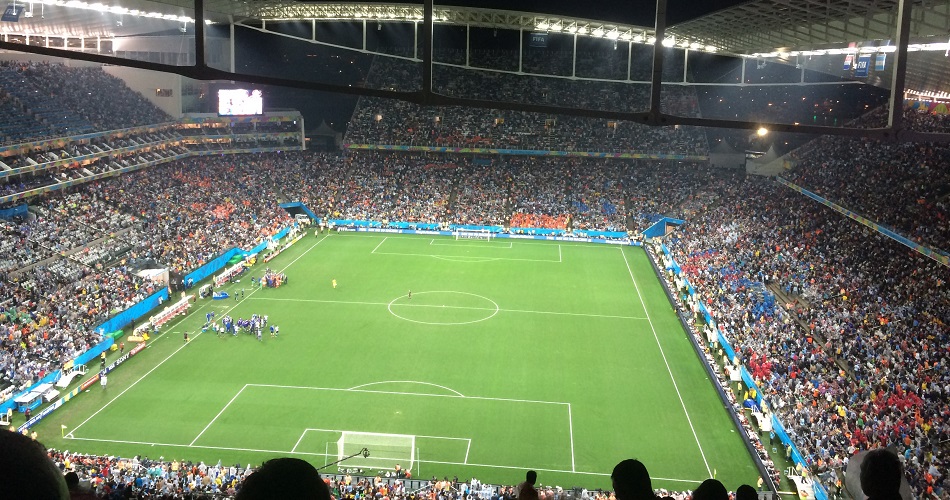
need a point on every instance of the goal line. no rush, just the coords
(475, 235)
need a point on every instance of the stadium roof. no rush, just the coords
(782, 28)
(823, 31)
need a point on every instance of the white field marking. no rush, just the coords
(335, 389)
(133, 384)
(470, 260)
(560, 257)
(305, 453)
(453, 257)
(666, 362)
(494, 311)
(380, 244)
(469, 245)
(302, 434)
(524, 311)
(570, 419)
(406, 382)
(468, 449)
(218, 415)
(570, 426)
(344, 431)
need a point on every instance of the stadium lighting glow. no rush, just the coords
(914, 47)
(711, 48)
(543, 25)
(116, 9)
(762, 132)
(651, 40)
(613, 35)
(638, 38)
(668, 42)
(598, 32)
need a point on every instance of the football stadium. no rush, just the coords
(488, 251)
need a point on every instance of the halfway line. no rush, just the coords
(361, 303)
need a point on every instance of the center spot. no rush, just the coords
(443, 308)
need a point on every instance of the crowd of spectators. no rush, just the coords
(857, 358)
(52, 305)
(904, 186)
(48, 100)
(381, 121)
(141, 477)
(515, 192)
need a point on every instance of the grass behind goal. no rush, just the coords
(470, 357)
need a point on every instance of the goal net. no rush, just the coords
(385, 450)
(473, 235)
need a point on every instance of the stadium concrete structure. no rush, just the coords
(812, 36)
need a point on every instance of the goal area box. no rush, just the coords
(376, 450)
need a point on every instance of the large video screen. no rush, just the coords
(237, 102)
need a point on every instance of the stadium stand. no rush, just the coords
(380, 121)
(56, 100)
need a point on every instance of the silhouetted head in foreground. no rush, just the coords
(285, 478)
(881, 475)
(746, 492)
(632, 481)
(26, 471)
(711, 489)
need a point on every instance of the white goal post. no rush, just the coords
(385, 451)
(474, 235)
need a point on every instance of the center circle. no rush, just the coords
(443, 308)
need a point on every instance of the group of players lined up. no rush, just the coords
(255, 325)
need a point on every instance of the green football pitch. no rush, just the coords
(509, 355)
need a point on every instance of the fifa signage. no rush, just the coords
(862, 67)
(12, 13)
(538, 40)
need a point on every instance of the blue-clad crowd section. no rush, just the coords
(797, 457)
